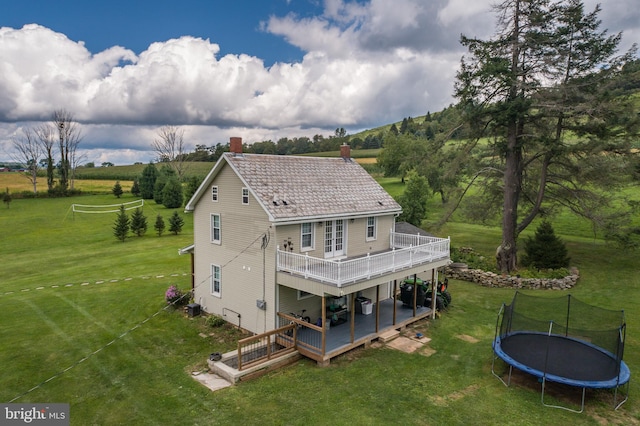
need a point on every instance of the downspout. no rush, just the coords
(193, 274)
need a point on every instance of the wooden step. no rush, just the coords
(389, 335)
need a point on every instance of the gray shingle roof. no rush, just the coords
(292, 187)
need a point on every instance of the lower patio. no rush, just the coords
(356, 330)
(259, 354)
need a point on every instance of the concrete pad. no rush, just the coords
(210, 380)
(423, 340)
(405, 344)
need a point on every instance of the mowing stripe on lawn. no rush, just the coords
(138, 325)
(85, 283)
(75, 364)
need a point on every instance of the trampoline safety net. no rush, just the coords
(566, 316)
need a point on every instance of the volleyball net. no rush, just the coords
(106, 208)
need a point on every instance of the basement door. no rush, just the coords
(334, 238)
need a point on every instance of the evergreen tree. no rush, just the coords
(159, 225)
(175, 223)
(545, 250)
(117, 189)
(148, 181)
(541, 90)
(135, 188)
(122, 225)
(172, 193)
(138, 222)
(414, 199)
(192, 186)
(404, 126)
(166, 172)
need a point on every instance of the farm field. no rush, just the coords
(83, 321)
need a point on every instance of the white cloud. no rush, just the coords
(366, 64)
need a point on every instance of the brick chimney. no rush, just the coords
(345, 151)
(235, 145)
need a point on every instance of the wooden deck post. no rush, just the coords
(352, 306)
(395, 300)
(433, 294)
(324, 325)
(415, 293)
(377, 308)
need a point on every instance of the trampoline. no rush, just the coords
(565, 341)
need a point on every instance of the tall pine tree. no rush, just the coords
(148, 181)
(540, 91)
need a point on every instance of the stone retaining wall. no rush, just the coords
(459, 271)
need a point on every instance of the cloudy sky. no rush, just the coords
(258, 69)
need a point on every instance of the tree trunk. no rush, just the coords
(507, 253)
(507, 259)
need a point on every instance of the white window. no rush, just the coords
(215, 228)
(371, 228)
(306, 236)
(214, 193)
(215, 280)
(245, 195)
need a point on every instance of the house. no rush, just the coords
(281, 238)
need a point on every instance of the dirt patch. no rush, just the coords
(445, 400)
(570, 396)
(467, 338)
(428, 351)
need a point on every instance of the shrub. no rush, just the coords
(214, 321)
(175, 296)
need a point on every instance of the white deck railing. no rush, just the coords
(406, 251)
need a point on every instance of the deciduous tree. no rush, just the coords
(69, 137)
(414, 199)
(169, 146)
(28, 150)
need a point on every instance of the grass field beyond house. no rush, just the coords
(83, 322)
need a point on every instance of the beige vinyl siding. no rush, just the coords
(356, 240)
(239, 254)
(289, 303)
(358, 244)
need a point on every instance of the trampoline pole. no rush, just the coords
(566, 330)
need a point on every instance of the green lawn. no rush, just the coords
(73, 296)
